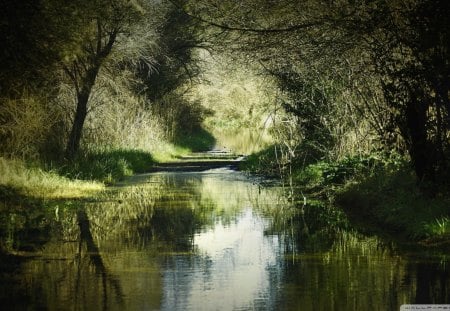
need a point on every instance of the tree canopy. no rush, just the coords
(350, 76)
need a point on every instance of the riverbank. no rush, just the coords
(85, 175)
(379, 193)
(391, 201)
(30, 189)
(92, 171)
(376, 192)
(19, 178)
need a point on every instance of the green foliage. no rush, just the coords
(378, 191)
(327, 173)
(178, 116)
(391, 199)
(239, 103)
(108, 166)
(262, 162)
(440, 227)
(176, 61)
(309, 101)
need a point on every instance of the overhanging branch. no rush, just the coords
(248, 29)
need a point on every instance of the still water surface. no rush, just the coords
(213, 240)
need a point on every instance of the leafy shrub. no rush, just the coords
(326, 173)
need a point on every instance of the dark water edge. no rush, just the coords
(212, 240)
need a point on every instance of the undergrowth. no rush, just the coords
(200, 140)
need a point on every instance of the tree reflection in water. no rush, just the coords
(211, 240)
(107, 280)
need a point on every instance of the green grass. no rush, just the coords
(16, 177)
(108, 166)
(85, 175)
(323, 174)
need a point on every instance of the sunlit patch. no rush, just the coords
(37, 183)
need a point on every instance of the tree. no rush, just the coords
(175, 62)
(105, 23)
(411, 54)
(399, 50)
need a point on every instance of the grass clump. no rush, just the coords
(108, 166)
(32, 181)
(167, 152)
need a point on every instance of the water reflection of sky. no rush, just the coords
(197, 241)
(229, 271)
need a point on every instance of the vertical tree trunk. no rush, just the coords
(84, 80)
(73, 144)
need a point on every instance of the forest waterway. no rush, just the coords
(207, 240)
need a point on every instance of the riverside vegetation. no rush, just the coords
(345, 102)
(379, 193)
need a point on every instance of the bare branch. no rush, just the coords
(248, 29)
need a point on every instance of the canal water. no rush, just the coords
(212, 240)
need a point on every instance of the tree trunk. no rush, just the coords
(73, 144)
(84, 80)
(77, 127)
(421, 156)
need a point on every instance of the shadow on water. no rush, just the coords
(213, 240)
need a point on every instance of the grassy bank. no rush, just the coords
(18, 178)
(87, 174)
(376, 191)
(107, 166)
